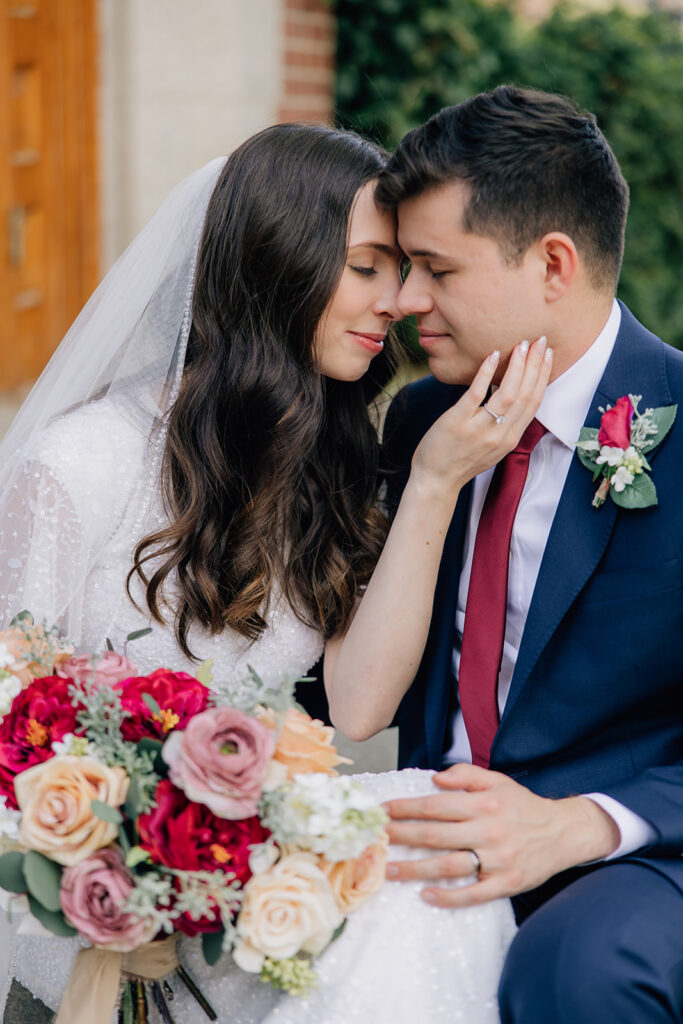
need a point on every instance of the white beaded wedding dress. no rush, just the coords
(79, 475)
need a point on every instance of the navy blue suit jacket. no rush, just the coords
(596, 700)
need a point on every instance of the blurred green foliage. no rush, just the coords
(399, 61)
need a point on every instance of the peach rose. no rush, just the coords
(287, 909)
(32, 652)
(304, 744)
(354, 881)
(54, 798)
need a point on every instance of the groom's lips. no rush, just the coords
(430, 338)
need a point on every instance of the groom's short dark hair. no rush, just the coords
(534, 163)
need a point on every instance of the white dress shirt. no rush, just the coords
(562, 412)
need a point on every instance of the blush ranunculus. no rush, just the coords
(179, 696)
(221, 760)
(186, 835)
(304, 744)
(109, 669)
(91, 896)
(40, 714)
(55, 799)
(615, 424)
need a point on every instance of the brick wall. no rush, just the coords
(308, 65)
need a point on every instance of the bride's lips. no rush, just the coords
(372, 342)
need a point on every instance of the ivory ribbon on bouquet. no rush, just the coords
(96, 978)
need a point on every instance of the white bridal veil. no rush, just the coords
(127, 347)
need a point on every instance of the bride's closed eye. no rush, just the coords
(364, 271)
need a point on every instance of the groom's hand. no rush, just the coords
(520, 839)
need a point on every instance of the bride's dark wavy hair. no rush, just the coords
(270, 470)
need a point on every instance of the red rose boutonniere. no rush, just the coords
(617, 450)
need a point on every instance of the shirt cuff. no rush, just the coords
(633, 830)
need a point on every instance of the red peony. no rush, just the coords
(615, 425)
(178, 695)
(188, 836)
(40, 715)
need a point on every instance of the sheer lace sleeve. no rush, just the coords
(70, 492)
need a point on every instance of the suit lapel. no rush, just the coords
(580, 533)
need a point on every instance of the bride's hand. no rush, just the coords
(467, 439)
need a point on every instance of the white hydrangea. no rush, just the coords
(336, 817)
(621, 479)
(9, 820)
(611, 456)
(6, 659)
(77, 746)
(10, 687)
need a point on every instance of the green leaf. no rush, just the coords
(54, 921)
(132, 804)
(110, 646)
(123, 839)
(212, 946)
(136, 855)
(255, 676)
(642, 493)
(105, 812)
(11, 873)
(43, 878)
(148, 745)
(664, 418)
(204, 673)
(151, 703)
(138, 634)
(587, 459)
(23, 616)
(337, 932)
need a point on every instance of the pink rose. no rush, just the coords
(92, 895)
(108, 670)
(221, 760)
(615, 425)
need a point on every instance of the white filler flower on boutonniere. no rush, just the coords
(617, 449)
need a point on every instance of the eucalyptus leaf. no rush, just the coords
(664, 418)
(124, 841)
(132, 804)
(587, 459)
(149, 745)
(151, 703)
(337, 932)
(23, 616)
(105, 812)
(204, 673)
(642, 493)
(43, 878)
(138, 634)
(54, 921)
(110, 646)
(255, 676)
(11, 873)
(212, 946)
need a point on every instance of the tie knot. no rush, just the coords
(530, 438)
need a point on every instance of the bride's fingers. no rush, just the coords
(512, 381)
(478, 389)
(532, 386)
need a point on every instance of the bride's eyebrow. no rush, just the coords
(387, 250)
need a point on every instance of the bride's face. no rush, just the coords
(355, 323)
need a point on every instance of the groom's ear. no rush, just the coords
(559, 263)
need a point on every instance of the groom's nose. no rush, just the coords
(413, 298)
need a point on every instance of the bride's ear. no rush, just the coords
(559, 264)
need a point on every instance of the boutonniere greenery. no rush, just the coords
(617, 451)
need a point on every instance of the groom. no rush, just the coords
(554, 659)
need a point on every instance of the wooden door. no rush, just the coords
(48, 225)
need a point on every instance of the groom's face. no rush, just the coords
(468, 300)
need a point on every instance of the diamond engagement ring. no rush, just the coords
(476, 863)
(497, 418)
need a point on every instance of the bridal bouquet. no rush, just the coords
(134, 808)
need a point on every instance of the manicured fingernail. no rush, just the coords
(524, 347)
(548, 355)
(494, 357)
(542, 342)
(392, 871)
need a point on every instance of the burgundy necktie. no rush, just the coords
(485, 614)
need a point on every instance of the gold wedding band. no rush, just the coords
(497, 418)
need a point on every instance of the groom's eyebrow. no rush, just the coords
(428, 254)
(388, 250)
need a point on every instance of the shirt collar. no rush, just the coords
(567, 399)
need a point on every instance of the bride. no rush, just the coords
(199, 457)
